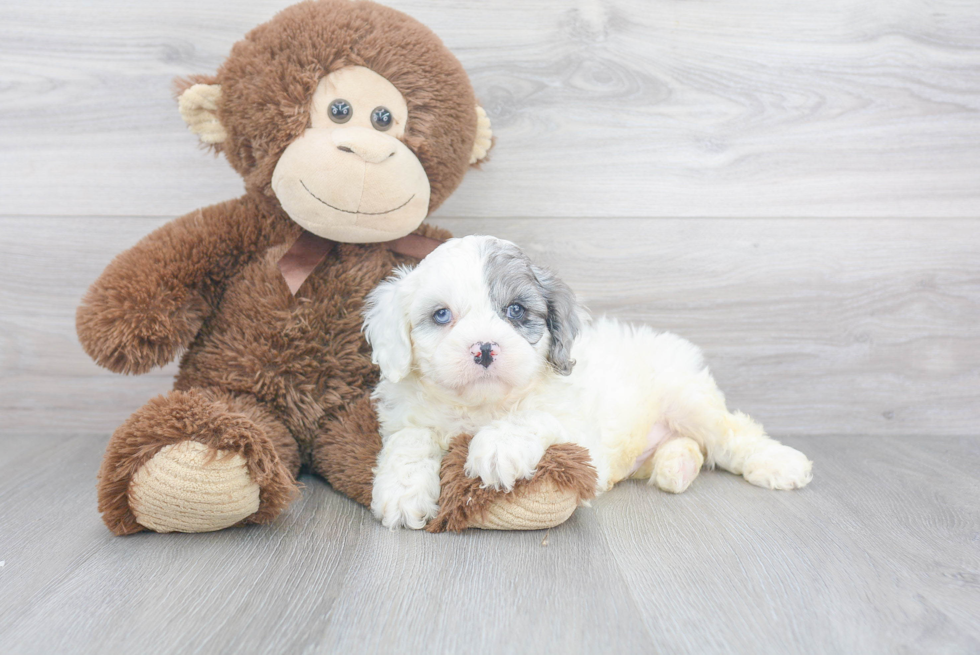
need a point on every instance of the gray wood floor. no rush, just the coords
(879, 555)
(793, 186)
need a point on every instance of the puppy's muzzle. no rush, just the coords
(484, 353)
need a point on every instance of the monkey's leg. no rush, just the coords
(346, 451)
(197, 461)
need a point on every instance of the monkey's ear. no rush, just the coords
(484, 137)
(199, 109)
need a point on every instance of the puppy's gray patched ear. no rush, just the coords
(564, 319)
(386, 328)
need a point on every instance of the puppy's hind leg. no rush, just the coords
(675, 464)
(733, 441)
(743, 447)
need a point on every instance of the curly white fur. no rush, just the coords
(643, 403)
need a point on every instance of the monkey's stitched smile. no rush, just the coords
(347, 211)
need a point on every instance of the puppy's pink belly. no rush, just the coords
(656, 436)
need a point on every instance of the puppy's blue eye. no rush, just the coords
(515, 312)
(442, 316)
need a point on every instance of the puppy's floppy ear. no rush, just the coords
(564, 319)
(386, 327)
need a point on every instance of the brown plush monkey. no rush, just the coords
(349, 123)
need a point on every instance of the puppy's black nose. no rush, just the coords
(485, 355)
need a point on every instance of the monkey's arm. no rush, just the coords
(152, 299)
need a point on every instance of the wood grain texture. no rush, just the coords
(878, 555)
(851, 565)
(600, 107)
(813, 327)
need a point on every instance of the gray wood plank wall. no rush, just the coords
(640, 145)
(813, 326)
(602, 108)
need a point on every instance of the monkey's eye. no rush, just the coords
(515, 312)
(442, 316)
(340, 111)
(381, 118)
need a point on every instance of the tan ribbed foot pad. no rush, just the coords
(190, 487)
(547, 507)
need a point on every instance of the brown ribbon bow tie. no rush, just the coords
(309, 250)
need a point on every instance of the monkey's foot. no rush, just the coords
(196, 461)
(191, 487)
(544, 507)
(564, 479)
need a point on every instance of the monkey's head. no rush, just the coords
(354, 116)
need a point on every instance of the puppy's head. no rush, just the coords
(475, 316)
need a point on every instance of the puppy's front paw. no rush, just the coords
(778, 467)
(406, 498)
(500, 457)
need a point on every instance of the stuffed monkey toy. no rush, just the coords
(349, 122)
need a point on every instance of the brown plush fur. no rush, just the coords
(346, 450)
(152, 300)
(281, 379)
(463, 499)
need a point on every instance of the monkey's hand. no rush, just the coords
(150, 302)
(147, 305)
(129, 329)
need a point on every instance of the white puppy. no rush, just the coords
(477, 340)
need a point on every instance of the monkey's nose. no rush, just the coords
(484, 353)
(369, 145)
